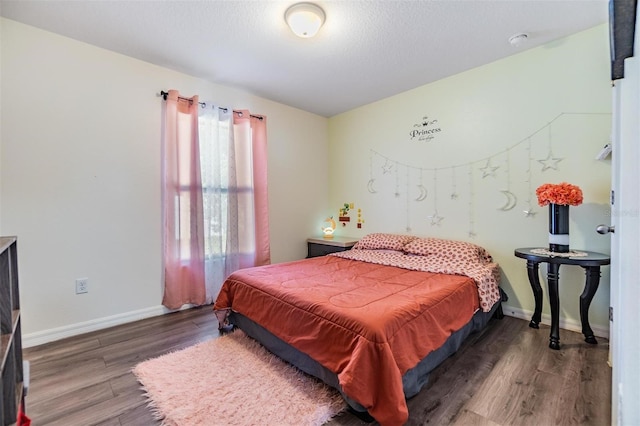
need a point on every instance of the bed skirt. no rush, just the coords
(412, 381)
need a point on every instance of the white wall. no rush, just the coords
(80, 177)
(487, 113)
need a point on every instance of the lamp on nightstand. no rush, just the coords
(327, 231)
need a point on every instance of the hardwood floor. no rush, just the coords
(505, 375)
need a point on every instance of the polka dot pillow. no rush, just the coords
(380, 241)
(459, 251)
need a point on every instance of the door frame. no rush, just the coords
(625, 247)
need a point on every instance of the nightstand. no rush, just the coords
(322, 246)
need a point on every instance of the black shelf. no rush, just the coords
(11, 368)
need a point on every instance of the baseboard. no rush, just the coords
(566, 324)
(53, 334)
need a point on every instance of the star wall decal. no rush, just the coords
(489, 170)
(386, 168)
(435, 219)
(550, 162)
(454, 196)
(529, 212)
(472, 234)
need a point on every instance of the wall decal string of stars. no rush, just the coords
(435, 218)
(511, 199)
(529, 212)
(454, 186)
(408, 216)
(488, 167)
(472, 210)
(551, 162)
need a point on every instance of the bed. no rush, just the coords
(372, 321)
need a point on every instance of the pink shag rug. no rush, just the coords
(233, 380)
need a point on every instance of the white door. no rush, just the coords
(625, 247)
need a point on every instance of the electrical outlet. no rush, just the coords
(82, 285)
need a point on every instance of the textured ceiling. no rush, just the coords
(367, 49)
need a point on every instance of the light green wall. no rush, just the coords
(556, 97)
(80, 177)
(84, 200)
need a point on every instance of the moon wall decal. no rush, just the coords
(370, 187)
(423, 193)
(510, 202)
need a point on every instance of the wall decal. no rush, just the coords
(454, 192)
(344, 213)
(511, 199)
(488, 169)
(397, 193)
(550, 162)
(435, 218)
(344, 218)
(510, 202)
(386, 167)
(381, 165)
(370, 187)
(407, 202)
(529, 212)
(421, 188)
(426, 130)
(423, 193)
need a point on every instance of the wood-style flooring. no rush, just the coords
(505, 375)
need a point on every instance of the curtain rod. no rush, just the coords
(203, 104)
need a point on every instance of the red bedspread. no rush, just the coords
(366, 322)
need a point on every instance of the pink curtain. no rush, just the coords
(184, 280)
(255, 133)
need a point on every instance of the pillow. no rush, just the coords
(383, 242)
(449, 250)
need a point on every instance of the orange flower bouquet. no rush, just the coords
(561, 193)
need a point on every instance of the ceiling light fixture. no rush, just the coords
(304, 19)
(518, 39)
